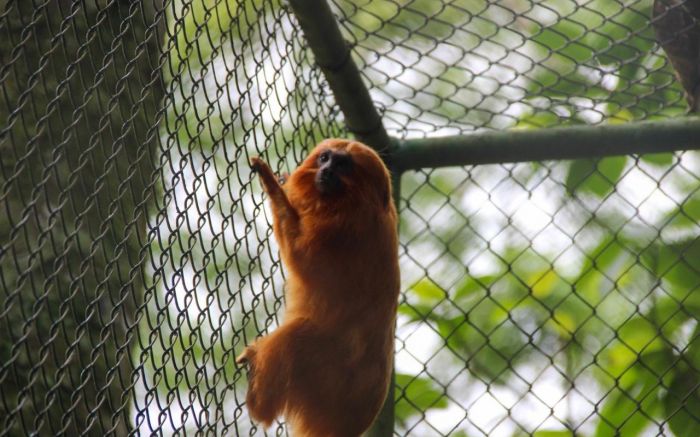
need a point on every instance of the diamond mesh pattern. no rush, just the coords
(136, 258)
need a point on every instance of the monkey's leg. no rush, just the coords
(270, 361)
(265, 397)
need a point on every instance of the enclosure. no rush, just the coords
(544, 168)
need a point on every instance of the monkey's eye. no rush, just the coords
(324, 157)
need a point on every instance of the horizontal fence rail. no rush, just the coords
(560, 143)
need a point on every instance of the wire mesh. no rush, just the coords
(136, 251)
(531, 310)
(452, 67)
(546, 299)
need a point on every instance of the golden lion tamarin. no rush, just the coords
(327, 367)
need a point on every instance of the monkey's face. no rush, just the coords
(341, 171)
(333, 165)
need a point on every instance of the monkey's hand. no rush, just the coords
(269, 181)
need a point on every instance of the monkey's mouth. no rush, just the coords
(327, 182)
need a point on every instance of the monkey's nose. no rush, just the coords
(327, 173)
(327, 181)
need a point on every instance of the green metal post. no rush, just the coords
(333, 55)
(548, 144)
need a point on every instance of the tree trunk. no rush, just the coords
(80, 91)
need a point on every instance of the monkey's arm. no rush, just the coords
(285, 216)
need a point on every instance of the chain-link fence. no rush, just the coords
(547, 298)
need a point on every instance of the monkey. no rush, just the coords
(327, 367)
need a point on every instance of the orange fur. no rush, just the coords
(327, 367)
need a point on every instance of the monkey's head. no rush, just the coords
(341, 173)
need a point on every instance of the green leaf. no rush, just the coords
(693, 351)
(677, 264)
(594, 176)
(640, 335)
(625, 413)
(416, 395)
(542, 284)
(624, 38)
(552, 433)
(605, 254)
(618, 409)
(473, 288)
(428, 295)
(538, 119)
(682, 404)
(416, 312)
(687, 215)
(559, 38)
(564, 84)
(660, 159)
(428, 291)
(563, 323)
